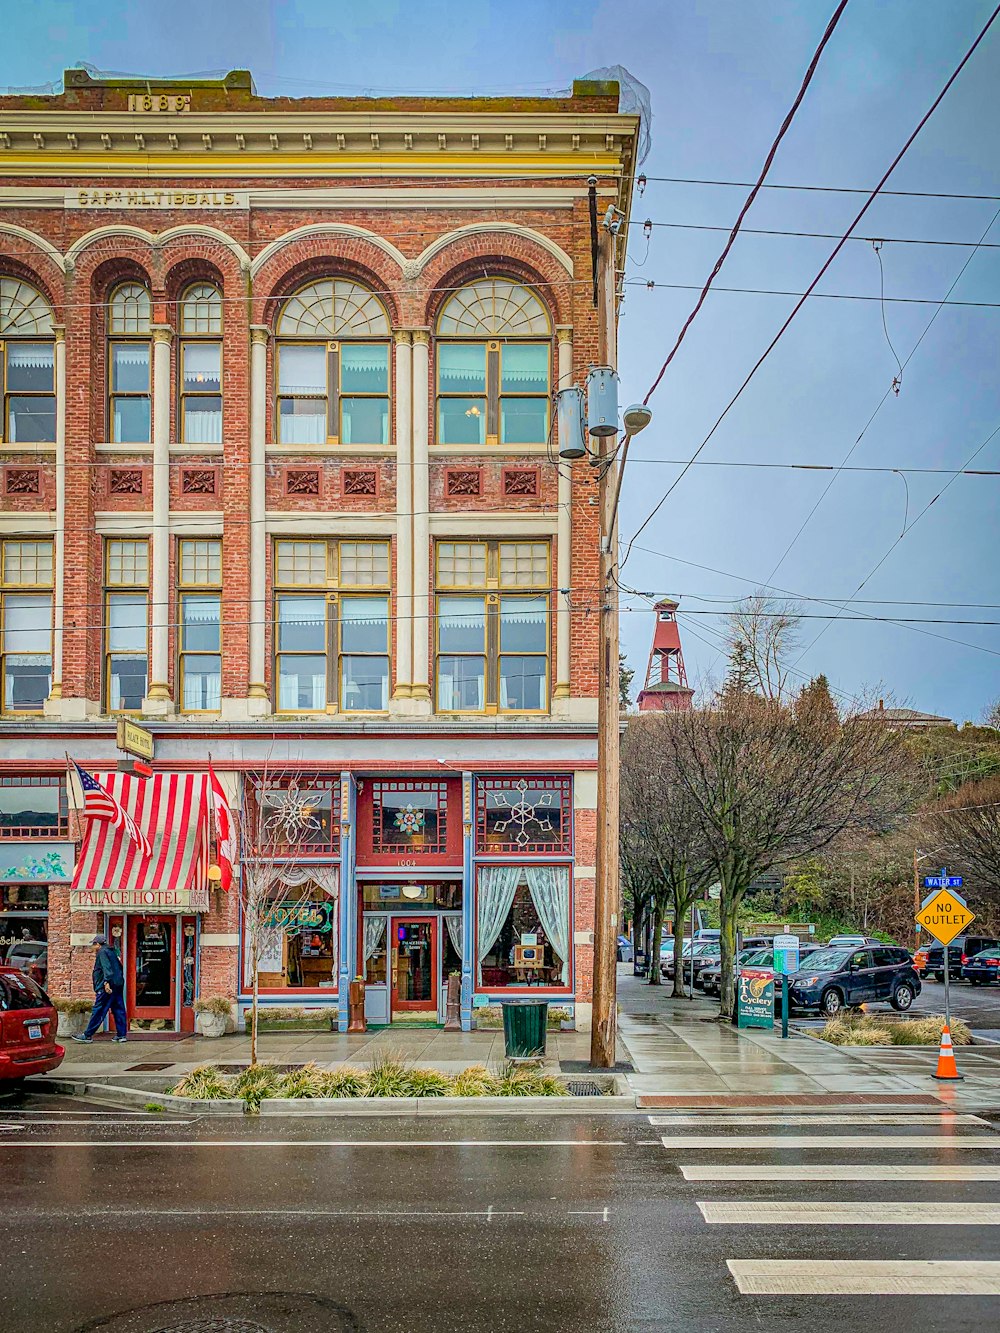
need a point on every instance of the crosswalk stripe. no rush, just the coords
(866, 1277)
(820, 1121)
(780, 1142)
(879, 1213)
(852, 1171)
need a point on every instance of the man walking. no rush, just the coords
(109, 987)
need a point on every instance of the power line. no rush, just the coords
(821, 235)
(819, 276)
(652, 284)
(754, 191)
(819, 467)
(830, 189)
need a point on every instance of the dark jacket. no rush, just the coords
(108, 968)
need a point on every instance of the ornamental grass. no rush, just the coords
(887, 1030)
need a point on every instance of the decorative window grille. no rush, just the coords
(410, 817)
(524, 816)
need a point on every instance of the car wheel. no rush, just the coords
(939, 977)
(902, 997)
(831, 1003)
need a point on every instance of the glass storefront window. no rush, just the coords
(437, 896)
(298, 949)
(24, 929)
(530, 816)
(303, 813)
(523, 926)
(410, 817)
(33, 807)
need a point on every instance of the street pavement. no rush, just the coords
(698, 1221)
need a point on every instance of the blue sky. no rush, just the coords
(722, 74)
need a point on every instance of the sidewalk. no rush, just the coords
(678, 1052)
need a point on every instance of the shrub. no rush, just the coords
(255, 1083)
(840, 1033)
(66, 1005)
(429, 1083)
(514, 1080)
(476, 1081)
(388, 1076)
(204, 1083)
(888, 1030)
(214, 1004)
(344, 1082)
(927, 1032)
(304, 1082)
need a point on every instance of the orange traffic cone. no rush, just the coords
(946, 1066)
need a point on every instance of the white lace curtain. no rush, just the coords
(374, 934)
(549, 889)
(497, 886)
(454, 925)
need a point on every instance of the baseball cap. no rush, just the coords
(99, 939)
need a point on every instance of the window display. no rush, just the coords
(24, 929)
(523, 926)
(298, 948)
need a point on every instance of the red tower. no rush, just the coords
(666, 688)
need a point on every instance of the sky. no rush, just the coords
(721, 76)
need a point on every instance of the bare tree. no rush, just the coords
(771, 784)
(762, 636)
(276, 818)
(662, 837)
(991, 717)
(966, 825)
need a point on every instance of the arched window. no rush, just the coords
(333, 366)
(27, 365)
(129, 314)
(201, 365)
(494, 355)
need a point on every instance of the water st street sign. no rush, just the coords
(942, 881)
(944, 916)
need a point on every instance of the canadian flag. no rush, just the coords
(225, 830)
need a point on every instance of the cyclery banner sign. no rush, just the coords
(755, 998)
(167, 901)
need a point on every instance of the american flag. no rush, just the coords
(100, 804)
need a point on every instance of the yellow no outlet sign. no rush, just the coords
(944, 916)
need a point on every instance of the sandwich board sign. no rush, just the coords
(755, 998)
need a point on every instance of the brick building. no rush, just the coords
(280, 482)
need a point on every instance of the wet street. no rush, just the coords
(132, 1223)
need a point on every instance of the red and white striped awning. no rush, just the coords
(112, 876)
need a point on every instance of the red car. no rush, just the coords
(28, 1025)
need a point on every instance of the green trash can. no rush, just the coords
(524, 1027)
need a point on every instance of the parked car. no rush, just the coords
(707, 934)
(960, 950)
(711, 976)
(624, 949)
(704, 954)
(667, 955)
(833, 979)
(27, 1029)
(30, 957)
(850, 941)
(983, 968)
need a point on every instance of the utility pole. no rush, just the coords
(606, 892)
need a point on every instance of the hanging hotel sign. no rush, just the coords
(169, 901)
(216, 201)
(134, 739)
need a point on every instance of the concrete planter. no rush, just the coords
(71, 1025)
(210, 1025)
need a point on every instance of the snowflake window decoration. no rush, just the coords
(409, 820)
(293, 815)
(526, 820)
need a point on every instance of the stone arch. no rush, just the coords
(24, 273)
(308, 268)
(553, 291)
(491, 229)
(323, 230)
(46, 270)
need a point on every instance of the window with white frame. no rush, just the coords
(201, 364)
(26, 571)
(27, 365)
(129, 362)
(199, 598)
(492, 626)
(333, 366)
(126, 624)
(493, 354)
(331, 626)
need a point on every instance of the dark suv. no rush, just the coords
(960, 950)
(833, 979)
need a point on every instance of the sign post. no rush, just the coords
(944, 915)
(786, 960)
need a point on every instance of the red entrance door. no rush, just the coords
(414, 965)
(152, 967)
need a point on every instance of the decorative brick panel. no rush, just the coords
(125, 481)
(301, 481)
(22, 481)
(463, 481)
(520, 481)
(199, 480)
(360, 481)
